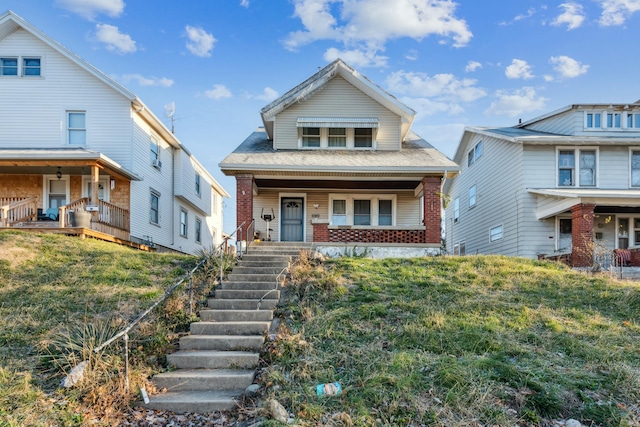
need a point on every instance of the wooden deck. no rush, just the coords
(52, 228)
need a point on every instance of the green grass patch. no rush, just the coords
(457, 340)
(60, 298)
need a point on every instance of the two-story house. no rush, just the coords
(73, 139)
(560, 185)
(337, 164)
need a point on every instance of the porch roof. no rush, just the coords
(256, 155)
(554, 201)
(47, 160)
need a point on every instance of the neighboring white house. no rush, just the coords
(71, 137)
(337, 164)
(550, 187)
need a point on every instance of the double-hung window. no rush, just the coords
(362, 210)
(30, 66)
(183, 222)
(337, 137)
(198, 230)
(363, 138)
(76, 127)
(8, 66)
(472, 196)
(495, 233)
(198, 184)
(154, 211)
(456, 209)
(475, 153)
(635, 168)
(154, 152)
(311, 137)
(339, 212)
(585, 168)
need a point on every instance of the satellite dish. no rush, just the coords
(169, 111)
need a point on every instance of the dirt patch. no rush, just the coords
(15, 255)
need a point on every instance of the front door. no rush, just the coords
(292, 214)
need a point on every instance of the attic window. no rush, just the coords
(337, 132)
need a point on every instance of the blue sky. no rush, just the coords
(457, 63)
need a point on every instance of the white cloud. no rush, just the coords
(374, 22)
(268, 95)
(568, 67)
(516, 102)
(356, 58)
(548, 78)
(412, 55)
(218, 92)
(114, 40)
(147, 81)
(88, 9)
(434, 94)
(518, 69)
(200, 42)
(530, 12)
(244, 3)
(472, 66)
(616, 12)
(573, 16)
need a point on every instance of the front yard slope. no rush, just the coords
(481, 340)
(62, 296)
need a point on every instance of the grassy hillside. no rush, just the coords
(457, 341)
(60, 297)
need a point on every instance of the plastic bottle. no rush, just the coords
(329, 389)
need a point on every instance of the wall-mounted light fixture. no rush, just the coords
(316, 205)
(113, 183)
(59, 173)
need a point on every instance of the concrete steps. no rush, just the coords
(217, 361)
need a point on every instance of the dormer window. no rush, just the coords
(593, 120)
(337, 133)
(614, 120)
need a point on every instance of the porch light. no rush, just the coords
(59, 173)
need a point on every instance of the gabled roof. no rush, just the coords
(307, 88)
(257, 156)
(10, 22)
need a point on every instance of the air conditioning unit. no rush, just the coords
(156, 164)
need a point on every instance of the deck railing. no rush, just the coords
(108, 218)
(17, 211)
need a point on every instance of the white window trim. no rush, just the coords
(302, 196)
(195, 230)
(456, 248)
(373, 198)
(557, 236)
(603, 118)
(631, 150)
(197, 185)
(20, 60)
(576, 155)
(105, 184)
(324, 139)
(45, 188)
(635, 124)
(491, 239)
(472, 155)
(153, 192)
(475, 196)
(67, 129)
(154, 140)
(186, 222)
(456, 210)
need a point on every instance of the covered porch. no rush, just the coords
(339, 210)
(599, 228)
(67, 190)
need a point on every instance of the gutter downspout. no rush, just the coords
(173, 195)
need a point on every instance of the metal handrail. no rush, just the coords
(283, 274)
(251, 229)
(124, 333)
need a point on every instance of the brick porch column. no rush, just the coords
(244, 203)
(582, 234)
(320, 231)
(432, 208)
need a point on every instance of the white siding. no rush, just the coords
(338, 98)
(568, 123)
(499, 189)
(35, 117)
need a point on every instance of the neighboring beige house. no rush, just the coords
(72, 138)
(337, 164)
(563, 185)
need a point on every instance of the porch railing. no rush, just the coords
(17, 211)
(109, 218)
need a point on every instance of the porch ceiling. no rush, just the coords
(70, 162)
(338, 184)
